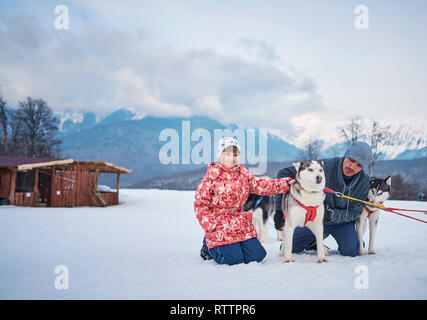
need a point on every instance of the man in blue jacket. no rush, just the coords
(345, 175)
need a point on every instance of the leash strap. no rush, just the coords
(404, 215)
(408, 210)
(379, 205)
(341, 195)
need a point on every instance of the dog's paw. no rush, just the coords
(322, 259)
(362, 252)
(372, 252)
(289, 260)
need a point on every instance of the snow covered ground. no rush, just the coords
(148, 248)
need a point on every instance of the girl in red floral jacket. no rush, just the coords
(230, 236)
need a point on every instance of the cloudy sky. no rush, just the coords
(282, 65)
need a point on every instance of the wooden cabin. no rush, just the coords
(47, 182)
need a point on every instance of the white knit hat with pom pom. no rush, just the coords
(225, 143)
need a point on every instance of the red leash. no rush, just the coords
(404, 215)
(392, 210)
(407, 210)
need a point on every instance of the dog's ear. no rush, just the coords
(388, 180)
(297, 165)
(373, 180)
(322, 163)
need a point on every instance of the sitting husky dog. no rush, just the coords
(303, 205)
(262, 208)
(378, 192)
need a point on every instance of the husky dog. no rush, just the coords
(262, 208)
(378, 192)
(303, 205)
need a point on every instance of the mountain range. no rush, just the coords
(414, 170)
(145, 144)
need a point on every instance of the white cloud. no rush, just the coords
(312, 126)
(210, 105)
(259, 49)
(98, 69)
(133, 90)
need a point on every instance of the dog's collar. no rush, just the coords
(256, 204)
(369, 210)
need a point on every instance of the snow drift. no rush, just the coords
(148, 248)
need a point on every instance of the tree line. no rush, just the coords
(355, 129)
(405, 189)
(377, 136)
(29, 130)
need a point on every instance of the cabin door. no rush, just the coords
(44, 188)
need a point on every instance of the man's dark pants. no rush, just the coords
(345, 235)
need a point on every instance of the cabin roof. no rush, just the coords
(24, 164)
(102, 166)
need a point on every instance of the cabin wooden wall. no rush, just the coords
(77, 187)
(112, 198)
(5, 176)
(25, 199)
(70, 186)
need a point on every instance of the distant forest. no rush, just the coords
(408, 177)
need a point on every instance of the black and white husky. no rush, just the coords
(303, 205)
(379, 191)
(262, 208)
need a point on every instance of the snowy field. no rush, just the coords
(148, 248)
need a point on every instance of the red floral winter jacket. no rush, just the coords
(219, 200)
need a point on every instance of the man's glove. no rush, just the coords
(278, 220)
(329, 213)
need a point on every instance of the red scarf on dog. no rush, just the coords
(310, 214)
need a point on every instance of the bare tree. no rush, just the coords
(4, 125)
(378, 137)
(39, 127)
(311, 150)
(351, 131)
(357, 129)
(16, 146)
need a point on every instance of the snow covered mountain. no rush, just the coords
(405, 140)
(135, 143)
(132, 141)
